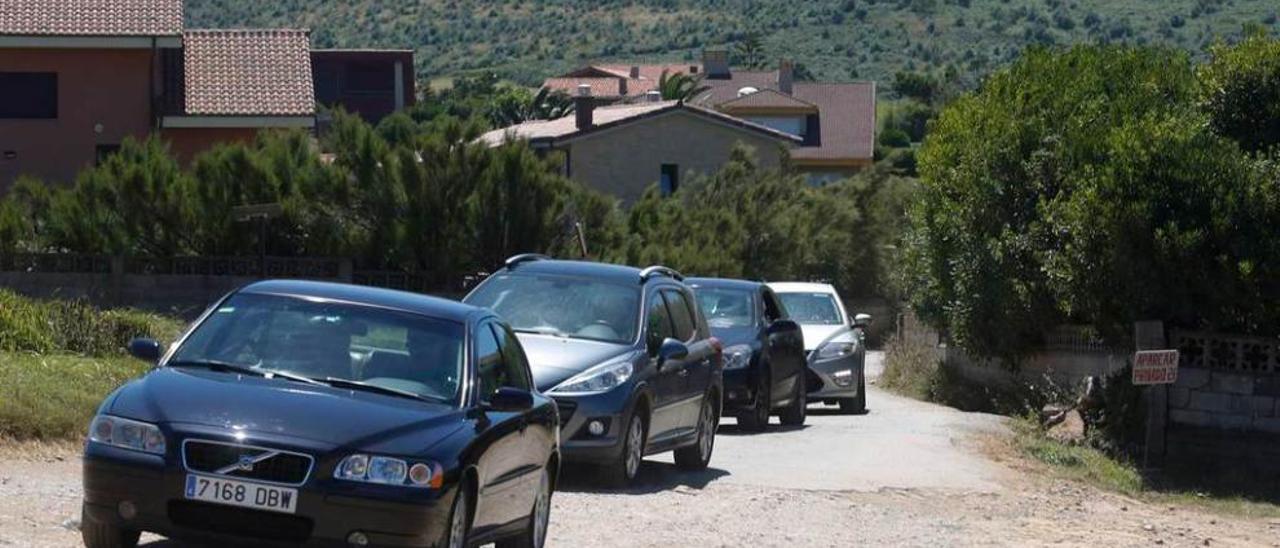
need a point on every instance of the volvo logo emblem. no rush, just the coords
(246, 463)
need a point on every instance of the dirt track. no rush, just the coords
(907, 473)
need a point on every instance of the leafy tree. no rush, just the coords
(545, 104)
(1084, 186)
(1241, 91)
(749, 52)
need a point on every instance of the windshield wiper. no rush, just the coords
(357, 385)
(228, 367)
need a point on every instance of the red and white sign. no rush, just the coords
(1155, 367)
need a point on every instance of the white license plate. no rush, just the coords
(241, 493)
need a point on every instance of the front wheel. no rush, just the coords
(97, 534)
(623, 472)
(795, 414)
(857, 405)
(756, 419)
(535, 535)
(459, 519)
(698, 455)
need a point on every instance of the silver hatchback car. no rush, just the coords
(834, 343)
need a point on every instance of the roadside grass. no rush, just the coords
(52, 397)
(1094, 467)
(913, 371)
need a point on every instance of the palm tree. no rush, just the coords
(521, 107)
(680, 86)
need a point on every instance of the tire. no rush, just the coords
(795, 414)
(623, 472)
(858, 405)
(535, 535)
(697, 456)
(96, 534)
(756, 419)
(459, 520)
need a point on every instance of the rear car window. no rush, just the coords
(812, 308)
(681, 314)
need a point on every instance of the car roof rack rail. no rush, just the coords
(658, 270)
(524, 258)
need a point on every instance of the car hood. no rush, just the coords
(730, 336)
(815, 335)
(554, 359)
(277, 407)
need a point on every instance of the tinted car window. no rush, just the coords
(318, 339)
(564, 306)
(659, 324)
(491, 368)
(681, 314)
(513, 359)
(812, 308)
(726, 307)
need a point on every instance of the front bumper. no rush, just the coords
(740, 389)
(324, 517)
(824, 383)
(577, 443)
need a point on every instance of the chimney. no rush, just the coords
(715, 62)
(654, 96)
(786, 76)
(693, 69)
(584, 106)
(635, 72)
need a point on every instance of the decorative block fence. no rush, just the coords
(179, 285)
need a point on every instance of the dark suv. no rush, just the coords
(625, 353)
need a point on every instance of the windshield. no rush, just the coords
(812, 308)
(562, 306)
(399, 351)
(726, 307)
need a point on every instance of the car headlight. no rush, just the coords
(389, 471)
(127, 434)
(835, 350)
(737, 356)
(597, 379)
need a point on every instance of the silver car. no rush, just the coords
(833, 342)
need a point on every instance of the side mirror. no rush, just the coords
(507, 399)
(670, 350)
(147, 350)
(862, 320)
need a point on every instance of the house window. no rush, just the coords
(670, 181)
(29, 95)
(370, 78)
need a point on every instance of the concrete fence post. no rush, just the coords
(1149, 335)
(115, 285)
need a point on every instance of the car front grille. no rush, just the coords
(566, 411)
(240, 461)
(240, 522)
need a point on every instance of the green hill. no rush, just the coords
(835, 39)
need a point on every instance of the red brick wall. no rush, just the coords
(110, 88)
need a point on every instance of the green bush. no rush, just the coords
(60, 326)
(894, 138)
(53, 397)
(1084, 185)
(1240, 90)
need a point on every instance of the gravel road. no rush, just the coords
(906, 473)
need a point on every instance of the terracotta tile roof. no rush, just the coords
(610, 116)
(248, 73)
(767, 98)
(846, 118)
(600, 87)
(91, 17)
(606, 80)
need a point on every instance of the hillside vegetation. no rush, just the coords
(834, 39)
